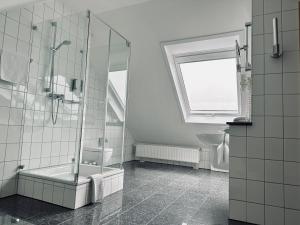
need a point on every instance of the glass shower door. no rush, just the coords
(116, 100)
(92, 143)
(58, 58)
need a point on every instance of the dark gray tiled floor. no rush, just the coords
(154, 194)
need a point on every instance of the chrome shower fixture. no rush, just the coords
(54, 97)
(65, 42)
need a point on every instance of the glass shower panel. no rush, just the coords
(116, 100)
(95, 94)
(53, 110)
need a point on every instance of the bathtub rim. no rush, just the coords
(81, 179)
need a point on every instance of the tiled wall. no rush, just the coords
(27, 135)
(265, 157)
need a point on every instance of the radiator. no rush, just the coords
(173, 153)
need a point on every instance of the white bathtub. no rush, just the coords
(56, 184)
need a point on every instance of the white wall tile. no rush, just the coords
(69, 198)
(38, 189)
(3, 134)
(13, 134)
(58, 195)
(257, 129)
(273, 84)
(291, 83)
(28, 189)
(21, 186)
(291, 150)
(237, 167)
(258, 44)
(290, 20)
(291, 105)
(255, 191)
(274, 148)
(255, 147)
(10, 169)
(292, 173)
(48, 193)
(12, 152)
(237, 146)
(274, 126)
(2, 152)
(14, 13)
(292, 216)
(11, 28)
(255, 213)
(258, 65)
(238, 210)
(291, 61)
(4, 115)
(9, 187)
(292, 127)
(271, 6)
(292, 197)
(273, 105)
(272, 65)
(290, 40)
(274, 194)
(237, 189)
(274, 171)
(258, 85)
(258, 105)
(80, 198)
(274, 215)
(257, 7)
(258, 25)
(255, 169)
(1, 170)
(290, 4)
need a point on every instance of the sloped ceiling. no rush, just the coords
(153, 111)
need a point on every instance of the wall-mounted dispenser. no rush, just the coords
(74, 85)
(276, 48)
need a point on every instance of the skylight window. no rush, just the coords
(205, 76)
(211, 86)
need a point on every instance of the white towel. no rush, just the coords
(223, 153)
(97, 188)
(14, 68)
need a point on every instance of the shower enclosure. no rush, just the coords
(82, 66)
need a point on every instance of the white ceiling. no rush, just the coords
(4, 4)
(154, 113)
(97, 6)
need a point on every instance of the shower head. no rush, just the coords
(65, 42)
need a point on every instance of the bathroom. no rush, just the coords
(104, 118)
